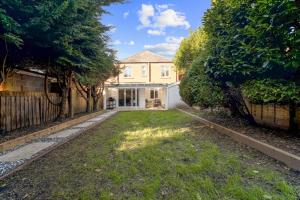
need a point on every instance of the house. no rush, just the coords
(146, 81)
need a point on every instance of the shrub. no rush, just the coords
(272, 91)
(197, 89)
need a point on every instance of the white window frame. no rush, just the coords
(155, 93)
(127, 72)
(144, 71)
(165, 71)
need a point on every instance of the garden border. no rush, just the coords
(291, 160)
(26, 138)
(55, 146)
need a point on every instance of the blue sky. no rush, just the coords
(153, 25)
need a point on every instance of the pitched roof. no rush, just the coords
(145, 56)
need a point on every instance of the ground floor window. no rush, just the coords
(154, 94)
(128, 97)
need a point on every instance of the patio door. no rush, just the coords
(128, 97)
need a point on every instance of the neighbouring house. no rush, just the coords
(146, 81)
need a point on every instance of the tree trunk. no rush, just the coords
(70, 92)
(88, 100)
(63, 108)
(292, 113)
(95, 104)
(236, 103)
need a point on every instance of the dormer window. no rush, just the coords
(127, 72)
(165, 71)
(144, 71)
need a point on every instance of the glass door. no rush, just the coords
(128, 97)
(121, 98)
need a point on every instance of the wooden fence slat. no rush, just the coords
(18, 112)
(37, 111)
(25, 112)
(30, 111)
(8, 113)
(13, 113)
(22, 109)
(2, 112)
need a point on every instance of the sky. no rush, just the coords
(154, 25)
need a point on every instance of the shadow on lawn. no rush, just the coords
(148, 155)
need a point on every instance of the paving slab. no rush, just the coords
(64, 134)
(84, 125)
(25, 152)
(19, 156)
(96, 120)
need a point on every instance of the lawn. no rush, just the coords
(151, 155)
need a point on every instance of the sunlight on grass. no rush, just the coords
(147, 137)
(159, 155)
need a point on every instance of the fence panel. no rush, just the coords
(272, 115)
(25, 109)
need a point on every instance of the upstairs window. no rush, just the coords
(165, 71)
(144, 71)
(127, 72)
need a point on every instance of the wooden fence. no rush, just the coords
(273, 115)
(21, 110)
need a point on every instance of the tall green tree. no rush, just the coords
(196, 88)
(62, 37)
(9, 40)
(251, 40)
(189, 49)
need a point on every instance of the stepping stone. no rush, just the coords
(64, 134)
(84, 125)
(25, 152)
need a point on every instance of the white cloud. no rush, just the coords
(156, 32)
(146, 12)
(131, 43)
(160, 17)
(125, 15)
(162, 7)
(117, 42)
(171, 18)
(167, 48)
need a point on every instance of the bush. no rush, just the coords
(197, 89)
(272, 91)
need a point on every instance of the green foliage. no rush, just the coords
(245, 40)
(197, 89)
(9, 29)
(272, 91)
(66, 34)
(248, 38)
(189, 49)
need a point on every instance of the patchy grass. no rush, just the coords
(149, 155)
